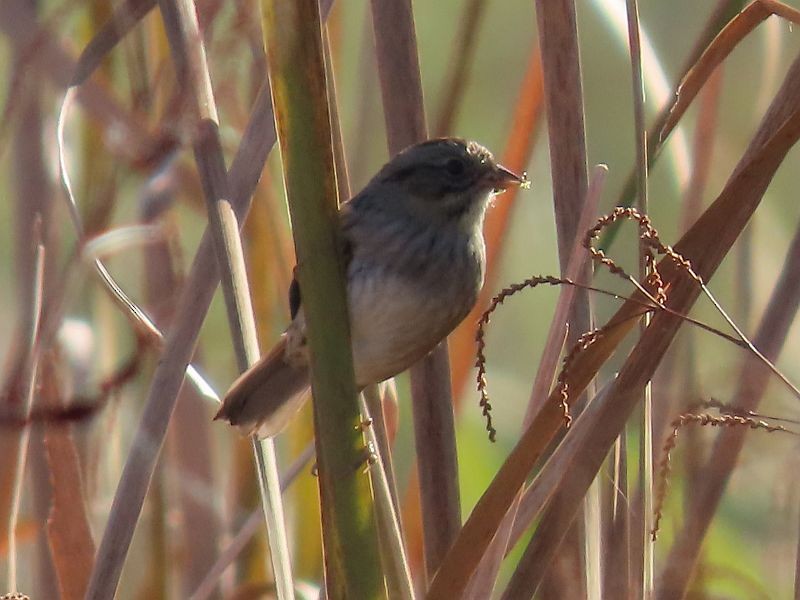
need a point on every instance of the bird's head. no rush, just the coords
(447, 180)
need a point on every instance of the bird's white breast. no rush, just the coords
(395, 321)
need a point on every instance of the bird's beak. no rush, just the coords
(501, 178)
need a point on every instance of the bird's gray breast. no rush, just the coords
(408, 288)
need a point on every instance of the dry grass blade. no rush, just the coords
(188, 55)
(366, 107)
(68, 528)
(398, 70)
(387, 507)
(137, 316)
(722, 45)
(211, 164)
(381, 400)
(206, 587)
(19, 444)
(393, 553)
(257, 140)
(770, 337)
(485, 518)
(189, 437)
(434, 436)
(564, 101)
(536, 496)
(339, 157)
(645, 575)
(556, 334)
(69, 537)
(680, 366)
(719, 17)
(125, 17)
(483, 582)
(720, 224)
(620, 556)
(32, 213)
(192, 307)
(563, 88)
(702, 149)
(704, 246)
(545, 491)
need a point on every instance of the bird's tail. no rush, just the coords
(265, 398)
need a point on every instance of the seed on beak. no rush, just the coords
(503, 177)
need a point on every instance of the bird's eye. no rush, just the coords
(455, 166)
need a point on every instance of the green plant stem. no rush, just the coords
(297, 74)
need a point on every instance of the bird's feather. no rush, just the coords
(265, 398)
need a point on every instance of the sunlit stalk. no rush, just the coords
(29, 382)
(293, 38)
(646, 434)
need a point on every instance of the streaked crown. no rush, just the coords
(443, 179)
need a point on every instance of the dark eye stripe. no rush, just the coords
(458, 184)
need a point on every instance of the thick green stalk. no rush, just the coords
(297, 75)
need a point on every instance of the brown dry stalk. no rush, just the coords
(650, 240)
(723, 44)
(733, 418)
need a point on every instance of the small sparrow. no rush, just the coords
(413, 242)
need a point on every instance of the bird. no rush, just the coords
(415, 260)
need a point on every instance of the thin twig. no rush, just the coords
(37, 285)
(248, 530)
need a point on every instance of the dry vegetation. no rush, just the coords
(118, 118)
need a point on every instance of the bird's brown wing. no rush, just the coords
(264, 398)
